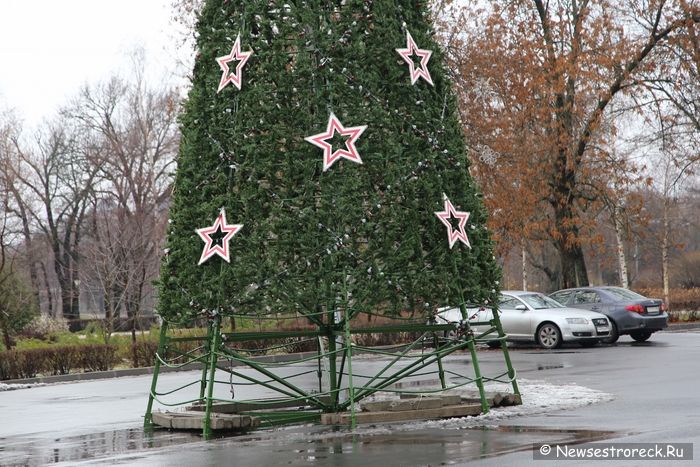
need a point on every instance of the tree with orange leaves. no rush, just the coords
(538, 80)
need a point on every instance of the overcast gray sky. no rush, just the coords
(49, 48)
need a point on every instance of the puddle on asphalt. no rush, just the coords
(421, 446)
(27, 451)
(435, 446)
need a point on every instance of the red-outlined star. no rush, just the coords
(228, 76)
(219, 225)
(350, 151)
(454, 234)
(412, 48)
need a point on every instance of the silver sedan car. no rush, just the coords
(532, 316)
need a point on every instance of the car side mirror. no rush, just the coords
(521, 307)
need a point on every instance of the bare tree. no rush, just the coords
(17, 301)
(54, 183)
(14, 202)
(17, 304)
(131, 136)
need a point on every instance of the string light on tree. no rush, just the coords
(330, 156)
(236, 76)
(451, 213)
(424, 55)
(211, 247)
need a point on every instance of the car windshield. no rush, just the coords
(624, 294)
(540, 302)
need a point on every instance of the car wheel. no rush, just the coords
(588, 343)
(640, 336)
(613, 336)
(549, 336)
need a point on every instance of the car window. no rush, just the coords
(540, 302)
(623, 294)
(508, 303)
(562, 297)
(586, 296)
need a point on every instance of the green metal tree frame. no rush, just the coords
(338, 332)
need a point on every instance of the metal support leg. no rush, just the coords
(351, 389)
(506, 355)
(162, 342)
(477, 375)
(213, 352)
(332, 369)
(319, 372)
(475, 362)
(203, 379)
(441, 371)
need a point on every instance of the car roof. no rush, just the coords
(590, 287)
(518, 293)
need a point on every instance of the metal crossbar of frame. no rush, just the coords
(403, 362)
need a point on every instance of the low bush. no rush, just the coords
(15, 364)
(143, 353)
(684, 316)
(61, 360)
(32, 362)
(56, 360)
(9, 364)
(98, 357)
(681, 299)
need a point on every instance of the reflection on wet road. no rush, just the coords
(301, 448)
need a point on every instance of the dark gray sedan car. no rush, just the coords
(628, 312)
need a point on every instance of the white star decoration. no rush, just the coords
(228, 76)
(424, 55)
(329, 155)
(454, 234)
(229, 230)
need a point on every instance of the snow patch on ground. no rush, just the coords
(11, 387)
(539, 397)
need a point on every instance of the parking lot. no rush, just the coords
(642, 392)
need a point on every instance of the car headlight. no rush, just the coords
(577, 320)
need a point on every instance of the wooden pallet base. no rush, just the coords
(195, 421)
(421, 407)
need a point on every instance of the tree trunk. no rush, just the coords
(49, 293)
(524, 263)
(134, 320)
(573, 267)
(664, 254)
(27, 233)
(69, 300)
(573, 263)
(621, 259)
(6, 339)
(636, 257)
(109, 318)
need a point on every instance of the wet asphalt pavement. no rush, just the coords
(653, 389)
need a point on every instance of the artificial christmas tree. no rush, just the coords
(347, 218)
(312, 224)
